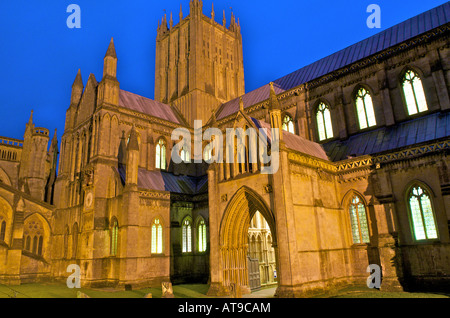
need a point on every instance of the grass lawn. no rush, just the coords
(361, 292)
(61, 291)
(58, 290)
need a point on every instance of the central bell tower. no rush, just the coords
(199, 63)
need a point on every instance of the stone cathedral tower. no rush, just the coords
(199, 63)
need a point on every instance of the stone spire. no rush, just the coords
(111, 52)
(78, 80)
(241, 104)
(132, 160)
(224, 20)
(133, 143)
(275, 113)
(54, 139)
(30, 121)
(273, 100)
(181, 13)
(77, 90)
(171, 20)
(213, 14)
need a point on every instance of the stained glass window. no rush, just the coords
(288, 124)
(358, 221)
(414, 93)
(364, 109)
(157, 243)
(161, 154)
(324, 125)
(114, 235)
(186, 236)
(201, 236)
(422, 214)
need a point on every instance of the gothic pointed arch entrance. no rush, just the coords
(233, 235)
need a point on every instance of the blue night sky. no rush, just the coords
(40, 55)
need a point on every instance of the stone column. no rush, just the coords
(215, 258)
(342, 121)
(439, 80)
(383, 86)
(283, 209)
(14, 256)
(388, 249)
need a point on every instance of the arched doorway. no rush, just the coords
(233, 236)
(261, 254)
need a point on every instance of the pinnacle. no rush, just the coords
(273, 100)
(133, 143)
(78, 80)
(30, 121)
(111, 50)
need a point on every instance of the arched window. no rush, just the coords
(207, 152)
(28, 244)
(157, 243)
(3, 231)
(74, 240)
(41, 241)
(414, 93)
(161, 154)
(201, 236)
(358, 220)
(114, 236)
(364, 109)
(186, 234)
(288, 124)
(422, 215)
(35, 245)
(185, 156)
(324, 125)
(34, 235)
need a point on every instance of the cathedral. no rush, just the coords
(363, 175)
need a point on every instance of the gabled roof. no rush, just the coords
(393, 36)
(147, 106)
(166, 181)
(413, 132)
(295, 142)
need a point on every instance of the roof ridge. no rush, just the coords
(342, 58)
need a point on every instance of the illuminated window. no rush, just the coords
(358, 220)
(114, 235)
(161, 154)
(207, 152)
(157, 243)
(364, 108)
(186, 236)
(324, 126)
(185, 156)
(3, 231)
(414, 94)
(288, 124)
(422, 214)
(201, 236)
